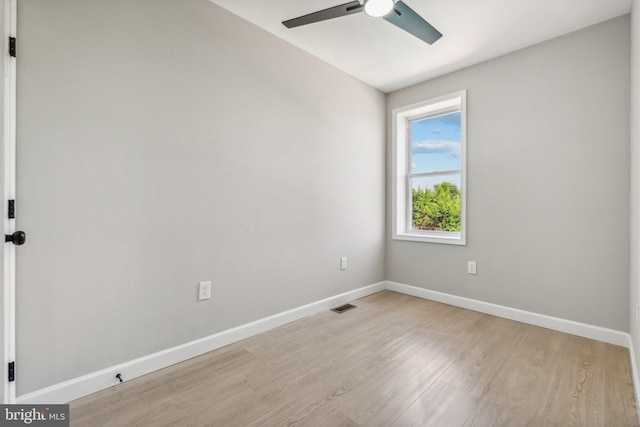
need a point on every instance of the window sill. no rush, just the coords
(454, 239)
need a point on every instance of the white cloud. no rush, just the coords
(437, 146)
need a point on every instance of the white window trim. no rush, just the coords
(399, 187)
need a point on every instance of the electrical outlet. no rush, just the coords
(471, 267)
(204, 291)
(343, 263)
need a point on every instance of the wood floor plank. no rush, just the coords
(620, 403)
(514, 394)
(394, 360)
(577, 392)
(440, 405)
(401, 376)
(485, 355)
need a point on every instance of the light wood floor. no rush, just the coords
(395, 360)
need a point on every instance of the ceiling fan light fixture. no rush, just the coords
(378, 8)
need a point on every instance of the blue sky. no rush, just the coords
(435, 146)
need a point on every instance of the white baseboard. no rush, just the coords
(562, 325)
(82, 386)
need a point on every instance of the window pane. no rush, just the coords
(428, 174)
(435, 144)
(436, 203)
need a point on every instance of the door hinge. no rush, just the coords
(12, 46)
(12, 371)
(12, 209)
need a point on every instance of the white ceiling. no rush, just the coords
(388, 58)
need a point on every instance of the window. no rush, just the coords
(429, 171)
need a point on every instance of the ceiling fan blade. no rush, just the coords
(323, 15)
(402, 16)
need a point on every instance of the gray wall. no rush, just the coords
(548, 181)
(635, 178)
(166, 142)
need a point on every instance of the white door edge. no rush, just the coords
(9, 168)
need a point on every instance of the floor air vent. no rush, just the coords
(343, 308)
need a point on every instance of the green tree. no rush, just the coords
(437, 209)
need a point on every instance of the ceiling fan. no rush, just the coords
(395, 12)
